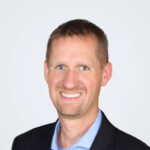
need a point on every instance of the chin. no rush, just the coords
(69, 113)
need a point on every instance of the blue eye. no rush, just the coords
(84, 68)
(60, 67)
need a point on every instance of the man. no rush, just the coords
(76, 68)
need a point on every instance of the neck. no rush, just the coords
(73, 129)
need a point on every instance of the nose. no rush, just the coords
(70, 79)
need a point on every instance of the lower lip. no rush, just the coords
(69, 99)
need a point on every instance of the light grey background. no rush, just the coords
(24, 30)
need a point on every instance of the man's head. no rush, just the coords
(76, 68)
(81, 28)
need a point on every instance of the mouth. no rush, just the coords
(70, 96)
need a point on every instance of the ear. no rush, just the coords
(46, 70)
(106, 73)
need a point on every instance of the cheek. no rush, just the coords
(92, 83)
(92, 79)
(54, 80)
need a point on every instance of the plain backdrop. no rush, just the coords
(25, 26)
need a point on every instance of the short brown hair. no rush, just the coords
(80, 27)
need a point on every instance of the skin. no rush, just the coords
(74, 68)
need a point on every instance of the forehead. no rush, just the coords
(74, 49)
(79, 43)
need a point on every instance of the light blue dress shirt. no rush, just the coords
(85, 142)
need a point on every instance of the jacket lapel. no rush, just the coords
(105, 137)
(46, 138)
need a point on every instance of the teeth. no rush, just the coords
(71, 95)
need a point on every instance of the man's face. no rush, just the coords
(74, 76)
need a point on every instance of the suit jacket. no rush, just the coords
(108, 138)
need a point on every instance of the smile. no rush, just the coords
(75, 95)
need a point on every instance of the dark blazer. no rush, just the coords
(108, 138)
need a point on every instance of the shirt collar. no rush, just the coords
(86, 140)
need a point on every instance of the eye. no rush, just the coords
(84, 68)
(60, 67)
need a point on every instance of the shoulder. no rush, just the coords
(126, 141)
(37, 132)
(118, 139)
(34, 137)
